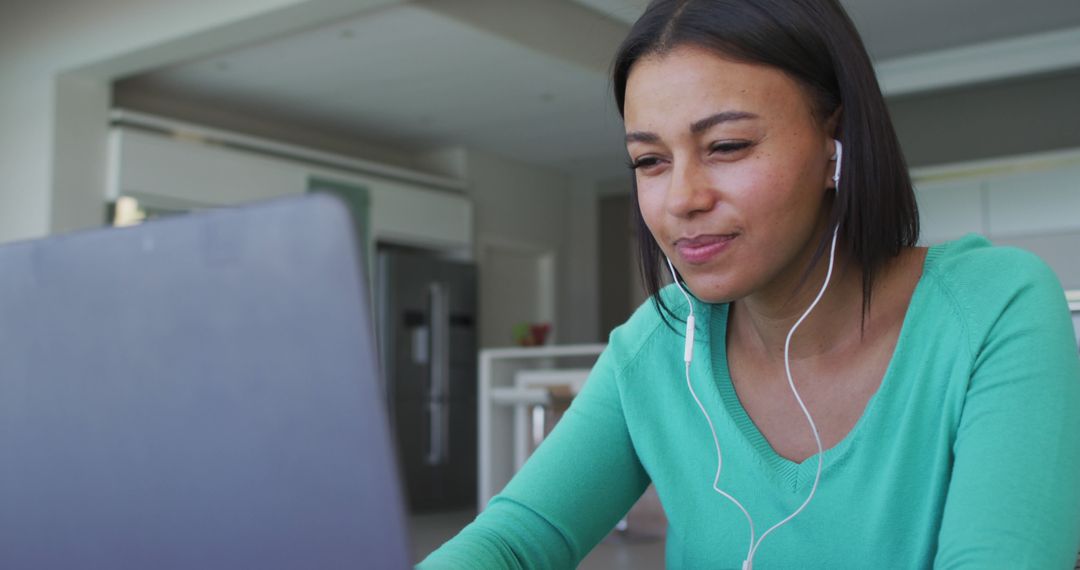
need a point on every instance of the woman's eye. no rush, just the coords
(726, 147)
(644, 162)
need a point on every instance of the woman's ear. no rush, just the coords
(832, 124)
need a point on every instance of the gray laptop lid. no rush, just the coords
(197, 392)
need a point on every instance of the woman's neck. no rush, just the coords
(761, 321)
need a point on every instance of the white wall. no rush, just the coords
(520, 210)
(580, 311)
(517, 202)
(56, 61)
(1033, 114)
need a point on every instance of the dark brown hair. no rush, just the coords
(815, 43)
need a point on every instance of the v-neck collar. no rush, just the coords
(792, 475)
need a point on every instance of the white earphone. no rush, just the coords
(688, 355)
(838, 156)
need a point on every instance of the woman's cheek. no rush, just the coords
(763, 196)
(751, 182)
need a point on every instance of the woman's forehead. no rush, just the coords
(689, 81)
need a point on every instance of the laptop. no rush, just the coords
(195, 392)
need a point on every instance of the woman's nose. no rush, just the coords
(690, 190)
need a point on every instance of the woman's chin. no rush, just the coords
(714, 293)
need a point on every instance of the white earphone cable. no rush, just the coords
(688, 357)
(806, 412)
(712, 429)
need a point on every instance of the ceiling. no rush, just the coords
(524, 79)
(893, 29)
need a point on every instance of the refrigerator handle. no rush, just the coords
(438, 376)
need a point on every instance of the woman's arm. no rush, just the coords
(1014, 497)
(567, 497)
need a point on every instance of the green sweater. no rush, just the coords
(967, 456)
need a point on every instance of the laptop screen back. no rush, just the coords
(197, 392)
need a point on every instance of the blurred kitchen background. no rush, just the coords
(480, 151)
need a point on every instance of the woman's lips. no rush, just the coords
(699, 249)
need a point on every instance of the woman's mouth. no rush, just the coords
(700, 249)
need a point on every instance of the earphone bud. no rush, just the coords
(838, 156)
(688, 354)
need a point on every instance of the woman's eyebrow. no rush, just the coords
(696, 128)
(642, 137)
(709, 122)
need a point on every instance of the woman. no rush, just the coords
(934, 422)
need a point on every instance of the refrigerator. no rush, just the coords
(427, 320)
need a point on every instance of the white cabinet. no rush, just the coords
(1020, 196)
(1031, 202)
(190, 173)
(1034, 202)
(182, 171)
(949, 209)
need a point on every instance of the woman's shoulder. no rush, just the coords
(980, 267)
(651, 326)
(983, 279)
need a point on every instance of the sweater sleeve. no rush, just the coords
(567, 497)
(1014, 497)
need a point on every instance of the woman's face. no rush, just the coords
(732, 169)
